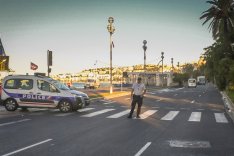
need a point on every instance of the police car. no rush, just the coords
(40, 91)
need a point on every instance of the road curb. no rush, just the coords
(229, 106)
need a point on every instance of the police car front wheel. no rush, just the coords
(65, 106)
(11, 105)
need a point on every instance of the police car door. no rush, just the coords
(21, 89)
(46, 94)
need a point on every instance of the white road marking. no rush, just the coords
(63, 114)
(143, 149)
(170, 116)
(199, 95)
(193, 101)
(220, 118)
(14, 122)
(179, 88)
(85, 109)
(195, 117)
(25, 148)
(175, 94)
(147, 114)
(189, 144)
(97, 113)
(109, 102)
(119, 114)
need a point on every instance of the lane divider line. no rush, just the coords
(25, 148)
(13, 122)
(143, 149)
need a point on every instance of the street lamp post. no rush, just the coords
(172, 66)
(162, 57)
(178, 66)
(144, 48)
(111, 30)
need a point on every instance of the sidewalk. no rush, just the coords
(228, 105)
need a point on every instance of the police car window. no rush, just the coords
(10, 84)
(25, 84)
(45, 86)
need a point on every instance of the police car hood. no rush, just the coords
(78, 93)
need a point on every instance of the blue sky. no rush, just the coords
(75, 30)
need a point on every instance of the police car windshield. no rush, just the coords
(61, 86)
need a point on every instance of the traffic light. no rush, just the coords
(49, 57)
(4, 63)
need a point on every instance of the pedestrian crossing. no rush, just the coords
(171, 115)
(195, 117)
(162, 115)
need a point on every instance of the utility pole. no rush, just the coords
(49, 61)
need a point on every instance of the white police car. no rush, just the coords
(40, 91)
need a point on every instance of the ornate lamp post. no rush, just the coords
(144, 48)
(172, 66)
(178, 66)
(162, 57)
(111, 30)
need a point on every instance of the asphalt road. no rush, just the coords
(174, 122)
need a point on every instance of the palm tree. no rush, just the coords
(221, 15)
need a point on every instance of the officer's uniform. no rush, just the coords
(138, 90)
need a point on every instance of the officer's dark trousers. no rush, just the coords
(137, 99)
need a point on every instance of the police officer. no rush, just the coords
(137, 94)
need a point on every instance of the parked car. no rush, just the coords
(192, 83)
(201, 80)
(92, 84)
(39, 91)
(76, 85)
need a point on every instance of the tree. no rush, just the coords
(221, 16)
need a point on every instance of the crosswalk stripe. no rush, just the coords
(97, 113)
(117, 115)
(147, 114)
(220, 118)
(85, 109)
(170, 116)
(195, 116)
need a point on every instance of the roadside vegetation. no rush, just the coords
(219, 57)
